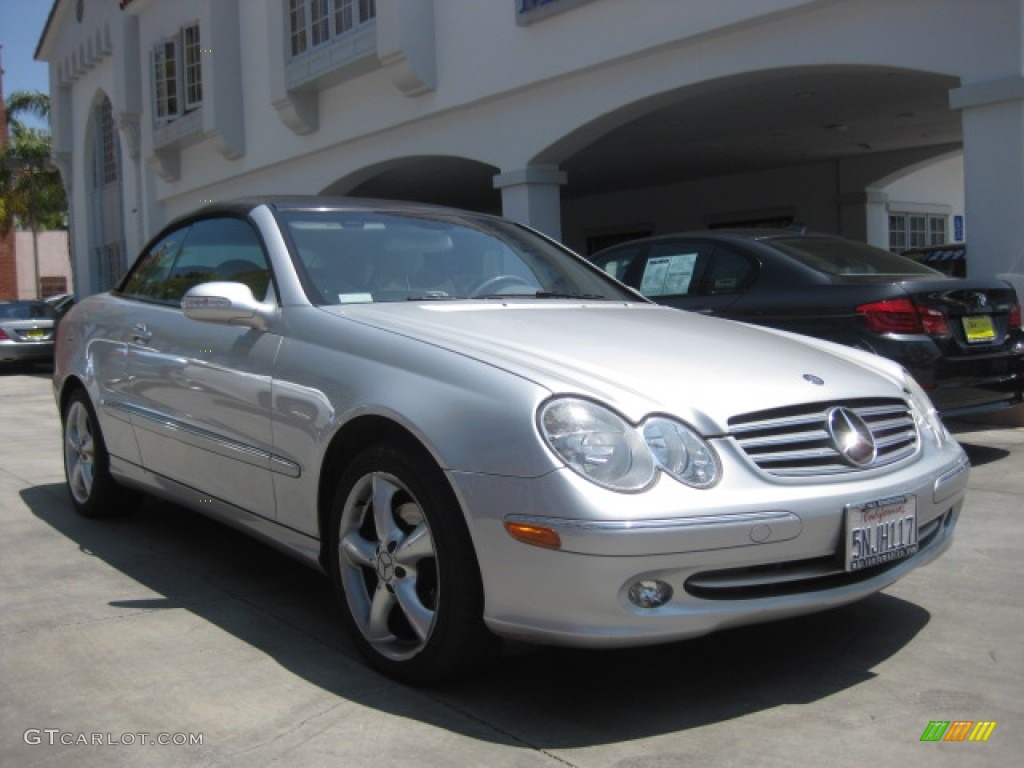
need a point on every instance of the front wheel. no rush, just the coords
(404, 569)
(87, 465)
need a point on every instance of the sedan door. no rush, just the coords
(200, 393)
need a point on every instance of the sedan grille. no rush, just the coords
(798, 441)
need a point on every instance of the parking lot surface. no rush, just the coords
(160, 638)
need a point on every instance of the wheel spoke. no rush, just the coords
(419, 616)
(82, 427)
(377, 630)
(78, 478)
(383, 516)
(356, 550)
(416, 546)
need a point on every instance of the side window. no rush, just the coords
(673, 269)
(727, 272)
(149, 275)
(621, 262)
(218, 249)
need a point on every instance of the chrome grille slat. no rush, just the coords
(786, 439)
(781, 422)
(795, 442)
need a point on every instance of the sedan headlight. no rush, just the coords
(928, 418)
(606, 449)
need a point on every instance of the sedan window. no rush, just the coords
(837, 256)
(26, 310)
(219, 249)
(727, 272)
(207, 250)
(148, 277)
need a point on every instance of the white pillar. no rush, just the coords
(993, 128)
(531, 196)
(864, 216)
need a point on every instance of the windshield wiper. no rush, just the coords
(441, 296)
(567, 295)
(433, 296)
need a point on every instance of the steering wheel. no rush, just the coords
(490, 285)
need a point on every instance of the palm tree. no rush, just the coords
(31, 192)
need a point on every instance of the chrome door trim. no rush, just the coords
(207, 440)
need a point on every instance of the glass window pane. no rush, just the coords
(297, 26)
(343, 20)
(146, 280)
(897, 233)
(319, 22)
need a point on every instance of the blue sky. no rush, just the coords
(21, 24)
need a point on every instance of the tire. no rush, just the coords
(404, 570)
(93, 491)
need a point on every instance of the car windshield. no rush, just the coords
(835, 256)
(26, 310)
(350, 257)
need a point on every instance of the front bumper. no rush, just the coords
(757, 551)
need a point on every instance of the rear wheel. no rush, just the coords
(404, 569)
(93, 491)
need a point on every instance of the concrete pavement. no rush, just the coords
(161, 626)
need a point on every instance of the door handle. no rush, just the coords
(141, 333)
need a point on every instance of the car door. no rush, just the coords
(199, 393)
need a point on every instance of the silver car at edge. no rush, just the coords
(477, 435)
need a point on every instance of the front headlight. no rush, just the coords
(606, 449)
(681, 452)
(597, 443)
(928, 418)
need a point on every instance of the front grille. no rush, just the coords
(795, 441)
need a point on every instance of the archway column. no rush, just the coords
(531, 196)
(864, 215)
(992, 114)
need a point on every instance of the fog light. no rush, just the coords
(650, 593)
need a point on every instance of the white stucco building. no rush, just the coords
(592, 120)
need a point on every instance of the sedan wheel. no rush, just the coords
(93, 491)
(79, 452)
(404, 569)
(388, 566)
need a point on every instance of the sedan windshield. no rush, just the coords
(350, 257)
(835, 256)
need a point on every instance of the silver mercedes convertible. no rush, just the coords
(477, 435)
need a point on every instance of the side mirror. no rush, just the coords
(225, 304)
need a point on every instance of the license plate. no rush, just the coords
(979, 328)
(35, 334)
(880, 531)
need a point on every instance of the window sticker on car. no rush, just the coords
(355, 298)
(667, 275)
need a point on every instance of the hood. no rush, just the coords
(640, 358)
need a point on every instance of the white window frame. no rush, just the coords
(916, 229)
(178, 88)
(192, 66)
(166, 84)
(297, 26)
(312, 24)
